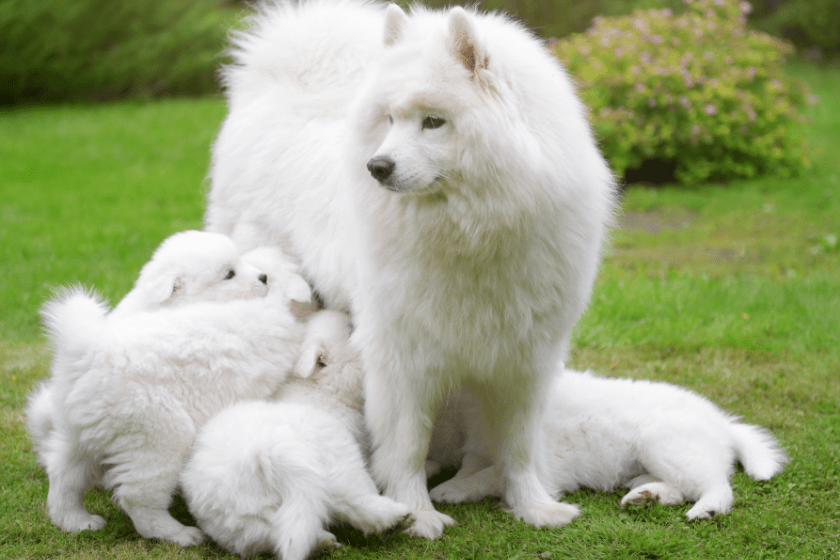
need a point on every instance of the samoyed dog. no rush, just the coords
(434, 174)
(193, 266)
(128, 390)
(665, 443)
(271, 476)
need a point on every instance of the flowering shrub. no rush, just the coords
(695, 91)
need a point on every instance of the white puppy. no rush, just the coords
(435, 174)
(665, 443)
(193, 266)
(128, 392)
(271, 476)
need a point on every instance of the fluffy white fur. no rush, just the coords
(128, 392)
(469, 257)
(193, 266)
(271, 476)
(665, 443)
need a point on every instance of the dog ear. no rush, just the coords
(463, 41)
(395, 21)
(298, 289)
(162, 288)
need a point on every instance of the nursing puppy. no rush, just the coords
(434, 174)
(128, 391)
(193, 266)
(271, 476)
(665, 443)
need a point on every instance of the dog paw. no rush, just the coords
(429, 524)
(449, 492)
(554, 514)
(188, 536)
(76, 523)
(639, 498)
(326, 540)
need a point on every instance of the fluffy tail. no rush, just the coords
(758, 451)
(39, 419)
(73, 319)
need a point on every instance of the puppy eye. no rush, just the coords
(390, 119)
(230, 274)
(433, 122)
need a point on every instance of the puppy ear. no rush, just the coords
(395, 21)
(299, 289)
(463, 41)
(162, 288)
(309, 361)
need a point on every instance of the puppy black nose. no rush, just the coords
(263, 278)
(381, 168)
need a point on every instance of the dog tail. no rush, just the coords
(758, 451)
(73, 318)
(39, 419)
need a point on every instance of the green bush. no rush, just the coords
(807, 24)
(695, 92)
(54, 50)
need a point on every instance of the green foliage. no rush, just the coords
(694, 91)
(54, 50)
(807, 23)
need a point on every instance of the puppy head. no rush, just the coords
(283, 277)
(195, 266)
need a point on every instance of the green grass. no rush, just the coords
(730, 290)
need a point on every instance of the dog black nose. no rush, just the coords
(263, 278)
(381, 168)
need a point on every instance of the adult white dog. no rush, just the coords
(434, 174)
(272, 476)
(665, 443)
(128, 390)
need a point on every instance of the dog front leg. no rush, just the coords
(512, 414)
(399, 414)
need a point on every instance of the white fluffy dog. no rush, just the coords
(128, 391)
(271, 476)
(665, 443)
(193, 266)
(434, 174)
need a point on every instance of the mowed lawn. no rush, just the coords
(730, 290)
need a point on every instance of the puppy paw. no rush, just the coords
(450, 492)
(429, 524)
(81, 522)
(188, 536)
(553, 514)
(639, 498)
(326, 540)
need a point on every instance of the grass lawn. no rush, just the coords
(730, 290)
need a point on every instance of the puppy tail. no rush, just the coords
(758, 451)
(39, 419)
(73, 318)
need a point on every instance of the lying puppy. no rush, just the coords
(271, 476)
(665, 443)
(192, 266)
(128, 392)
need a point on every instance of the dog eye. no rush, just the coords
(390, 119)
(433, 122)
(230, 274)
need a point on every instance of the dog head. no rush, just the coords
(193, 266)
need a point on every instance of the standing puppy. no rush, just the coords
(129, 390)
(435, 174)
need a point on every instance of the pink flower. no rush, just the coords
(745, 7)
(710, 110)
